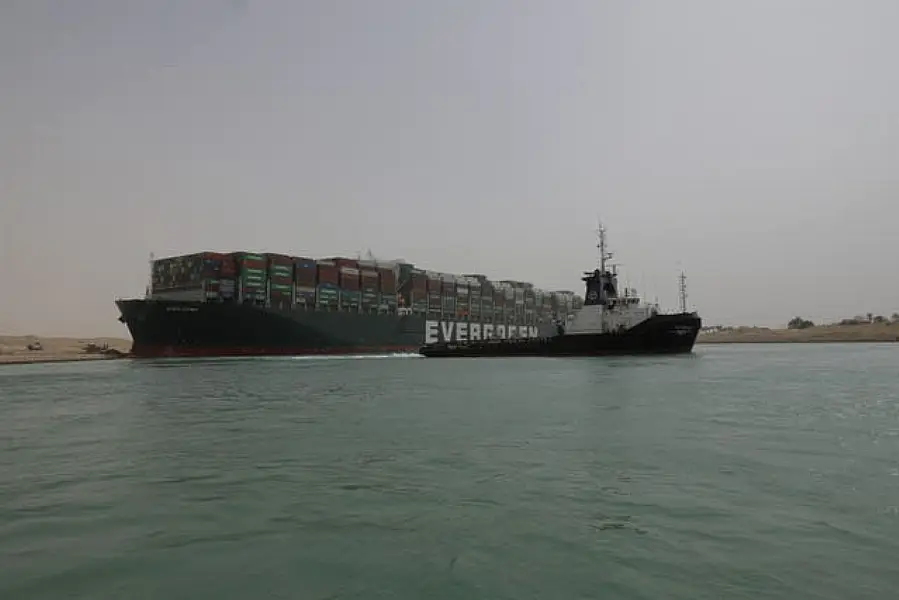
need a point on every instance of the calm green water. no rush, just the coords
(738, 472)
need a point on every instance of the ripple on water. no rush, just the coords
(739, 473)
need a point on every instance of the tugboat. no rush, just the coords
(608, 324)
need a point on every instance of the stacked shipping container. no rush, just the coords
(418, 297)
(508, 302)
(194, 277)
(487, 301)
(387, 281)
(280, 280)
(542, 310)
(519, 301)
(369, 280)
(474, 298)
(327, 289)
(530, 309)
(435, 285)
(448, 295)
(350, 285)
(251, 277)
(182, 272)
(305, 276)
(350, 294)
(499, 303)
(227, 277)
(463, 306)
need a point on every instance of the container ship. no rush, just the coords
(210, 304)
(609, 323)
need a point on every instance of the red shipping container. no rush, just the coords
(229, 267)
(305, 271)
(345, 262)
(370, 280)
(388, 281)
(349, 278)
(252, 264)
(329, 275)
(306, 278)
(419, 282)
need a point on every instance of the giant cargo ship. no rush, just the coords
(609, 323)
(242, 304)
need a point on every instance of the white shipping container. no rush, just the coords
(196, 294)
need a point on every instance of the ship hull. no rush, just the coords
(660, 334)
(168, 328)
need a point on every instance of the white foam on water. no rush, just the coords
(355, 356)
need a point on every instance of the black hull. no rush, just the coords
(167, 328)
(660, 334)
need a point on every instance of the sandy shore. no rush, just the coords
(874, 332)
(14, 349)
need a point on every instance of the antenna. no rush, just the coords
(683, 292)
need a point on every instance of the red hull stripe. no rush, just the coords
(224, 351)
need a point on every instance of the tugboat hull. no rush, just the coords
(660, 334)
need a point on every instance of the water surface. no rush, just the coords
(738, 472)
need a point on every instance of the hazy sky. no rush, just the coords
(753, 144)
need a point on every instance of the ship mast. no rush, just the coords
(603, 257)
(601, 246)
(683, 292)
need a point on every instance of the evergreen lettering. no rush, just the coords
(452, 331)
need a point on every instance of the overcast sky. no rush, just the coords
(753, 144)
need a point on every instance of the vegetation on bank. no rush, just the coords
(868, 328)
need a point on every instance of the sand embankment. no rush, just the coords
(868, 332)
(14, 349)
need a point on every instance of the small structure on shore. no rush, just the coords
(92, 348)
